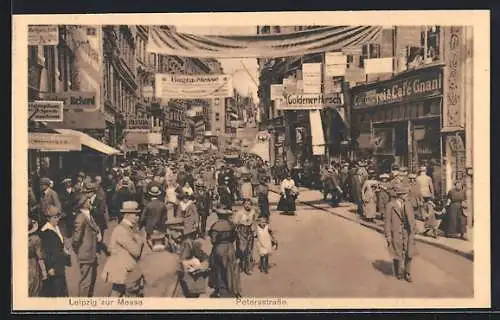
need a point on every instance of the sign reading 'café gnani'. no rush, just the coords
(405, 88)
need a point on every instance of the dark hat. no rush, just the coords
(401, 189)
(395, 166)
(130, 207)
(44, 181)
(154, 191)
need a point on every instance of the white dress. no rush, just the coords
(264, 240)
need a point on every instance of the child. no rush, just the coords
(431, 223)
(265, 243)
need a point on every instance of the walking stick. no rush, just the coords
(175, 288)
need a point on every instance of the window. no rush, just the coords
(350, 61)
(50, 65)
(430, 43)
(369, 51)
(217, 116)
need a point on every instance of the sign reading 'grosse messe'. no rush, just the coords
(310, 101)
(418, 84)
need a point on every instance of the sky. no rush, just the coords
(241, 79)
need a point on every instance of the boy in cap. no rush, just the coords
(399, 228)
(126, 245)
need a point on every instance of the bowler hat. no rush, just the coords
(401, 189)
(154, 191)
(130, 207)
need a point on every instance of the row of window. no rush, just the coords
(126, 48)
(116, 90)
(140, 44)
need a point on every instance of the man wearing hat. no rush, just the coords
(154, 216)
(262, 194)
(225, 193)
(78, 187)
(69, 201)
(126, 245)
(400, 227)
(383, 196)
(97, 205)
(403, 174)
(224, 269)
(85, 241)
(48, 197)
(425, 184)
(203, 200)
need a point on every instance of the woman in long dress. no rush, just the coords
(369, 199)
(456, 219)
(289, 193)
(36, 266)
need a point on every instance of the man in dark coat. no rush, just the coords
(344, 179)
(48, 197)
(69, 200)
(225, 193)
(203, 200)
(154, 216)
(400, 228)
(262, 194)
(97, 206)
(356, 185)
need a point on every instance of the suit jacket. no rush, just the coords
(125, 246)
(100, 212)
(84, 241)
(68, 202)
(49, 198)
(203, 202)
(154, 216)
(53, 251)
(400, 228)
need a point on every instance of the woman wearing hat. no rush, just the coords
(224, 268)
(289, 193)
(122, 269)
(188, 211)
(400, 228)
(244, 220)
(57, 257)
(37, 271)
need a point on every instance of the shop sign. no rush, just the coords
(135, 137)
(353, 75)
(43, 35)
(74, 99)
(138, 124)
(54, 142)
(418, 85)
(311, 77)
(154, 138)
(310, 101)
(47, 111)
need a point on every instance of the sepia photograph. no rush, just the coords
(215, 162)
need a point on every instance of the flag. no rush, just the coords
(167, 41)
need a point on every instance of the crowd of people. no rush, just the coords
(163, 198)
(167, 203)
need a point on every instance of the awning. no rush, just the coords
(90, 142)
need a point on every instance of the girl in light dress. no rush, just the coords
(266, 242)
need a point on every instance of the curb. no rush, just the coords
(467, 255)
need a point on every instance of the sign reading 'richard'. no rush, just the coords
(74, 99)
(415, 85)
(310, 101)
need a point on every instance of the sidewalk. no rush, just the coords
(314, 198)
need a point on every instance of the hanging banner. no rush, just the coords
(203, 86)
(167, 41)
(317, 134)
(43, 35)
(311, 78)
(47, 111)
(276, 91)
(310, 101)
(379, 65)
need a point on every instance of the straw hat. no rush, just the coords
(384, 176)
(66, 181)
(130, 207)
(424, 169)
(52, 211)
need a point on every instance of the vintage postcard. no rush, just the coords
(319, 160)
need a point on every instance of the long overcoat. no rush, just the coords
(400, 228)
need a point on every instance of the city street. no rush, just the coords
(322, 255)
